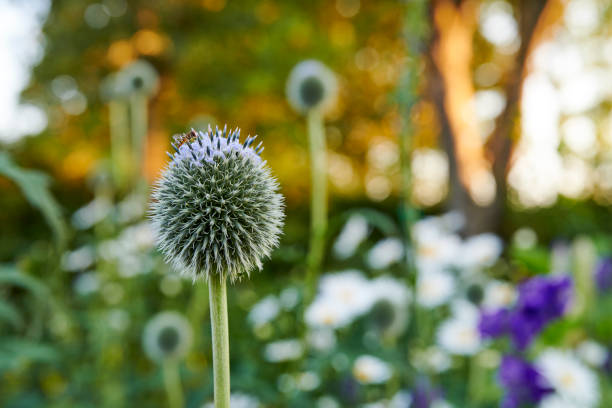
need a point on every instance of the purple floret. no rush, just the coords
(541, 300)
(523, 384)
(603, 274)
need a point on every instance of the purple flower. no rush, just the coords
(424, 394)
(603, 274)
(494, 323)
(541, 300)
(522, 383)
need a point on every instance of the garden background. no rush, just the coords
(469, 150)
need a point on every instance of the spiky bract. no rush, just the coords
(216, 208)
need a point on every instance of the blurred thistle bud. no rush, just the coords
(167, 336)
(216, 208)
(311, 85)
(110, 89)
(139, 77)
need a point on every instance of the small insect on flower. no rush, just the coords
(181, 139)
(216, 209)
(167, 336)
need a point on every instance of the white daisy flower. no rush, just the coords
(371, 370)
(283, 350)
(437, 251)
(592, 353)
(573, 382)
(498, 294)
(349, 288)
(168, 335)
(264, 311)
(327, 312)
(459, 334)
(311, 85)
(480, 251)
(434, 288)
(352, 235)
(385, 253)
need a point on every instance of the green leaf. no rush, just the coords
(10, 275)
(10, 314)
(17, 351)
(35, 187)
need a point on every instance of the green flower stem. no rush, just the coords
(318, 208)
(118, 121)
(140, 119)
(220, 340)
(172, 382)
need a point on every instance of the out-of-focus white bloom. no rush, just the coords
(371, 370)
(480, 251)
(321, 339)
(79, 259)
(573, 382)
(391, 290)
(401, 399)
(92, 213)
(498, 294)
(283, 350)
(385, 253)
(308, 381)
(311, 85)
(438, 251)
(592, 353)
(352, 235)
(392, 318)
(327, 401)
(239, 400)
(327, 312)
(118, 319)
(131, 208)
(459, 334)
(86, 283)
(349, 288)
(132, 264)
(264, 311)
(434, 288)
(289, 298)
(168, 335)
(432, 359)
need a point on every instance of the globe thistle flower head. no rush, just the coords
(311, 85)
(167, 336)
(216, 209)
(111, 89)
(139, 77)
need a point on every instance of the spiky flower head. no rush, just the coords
(311, 85)
(216, 208)
(167, 336)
